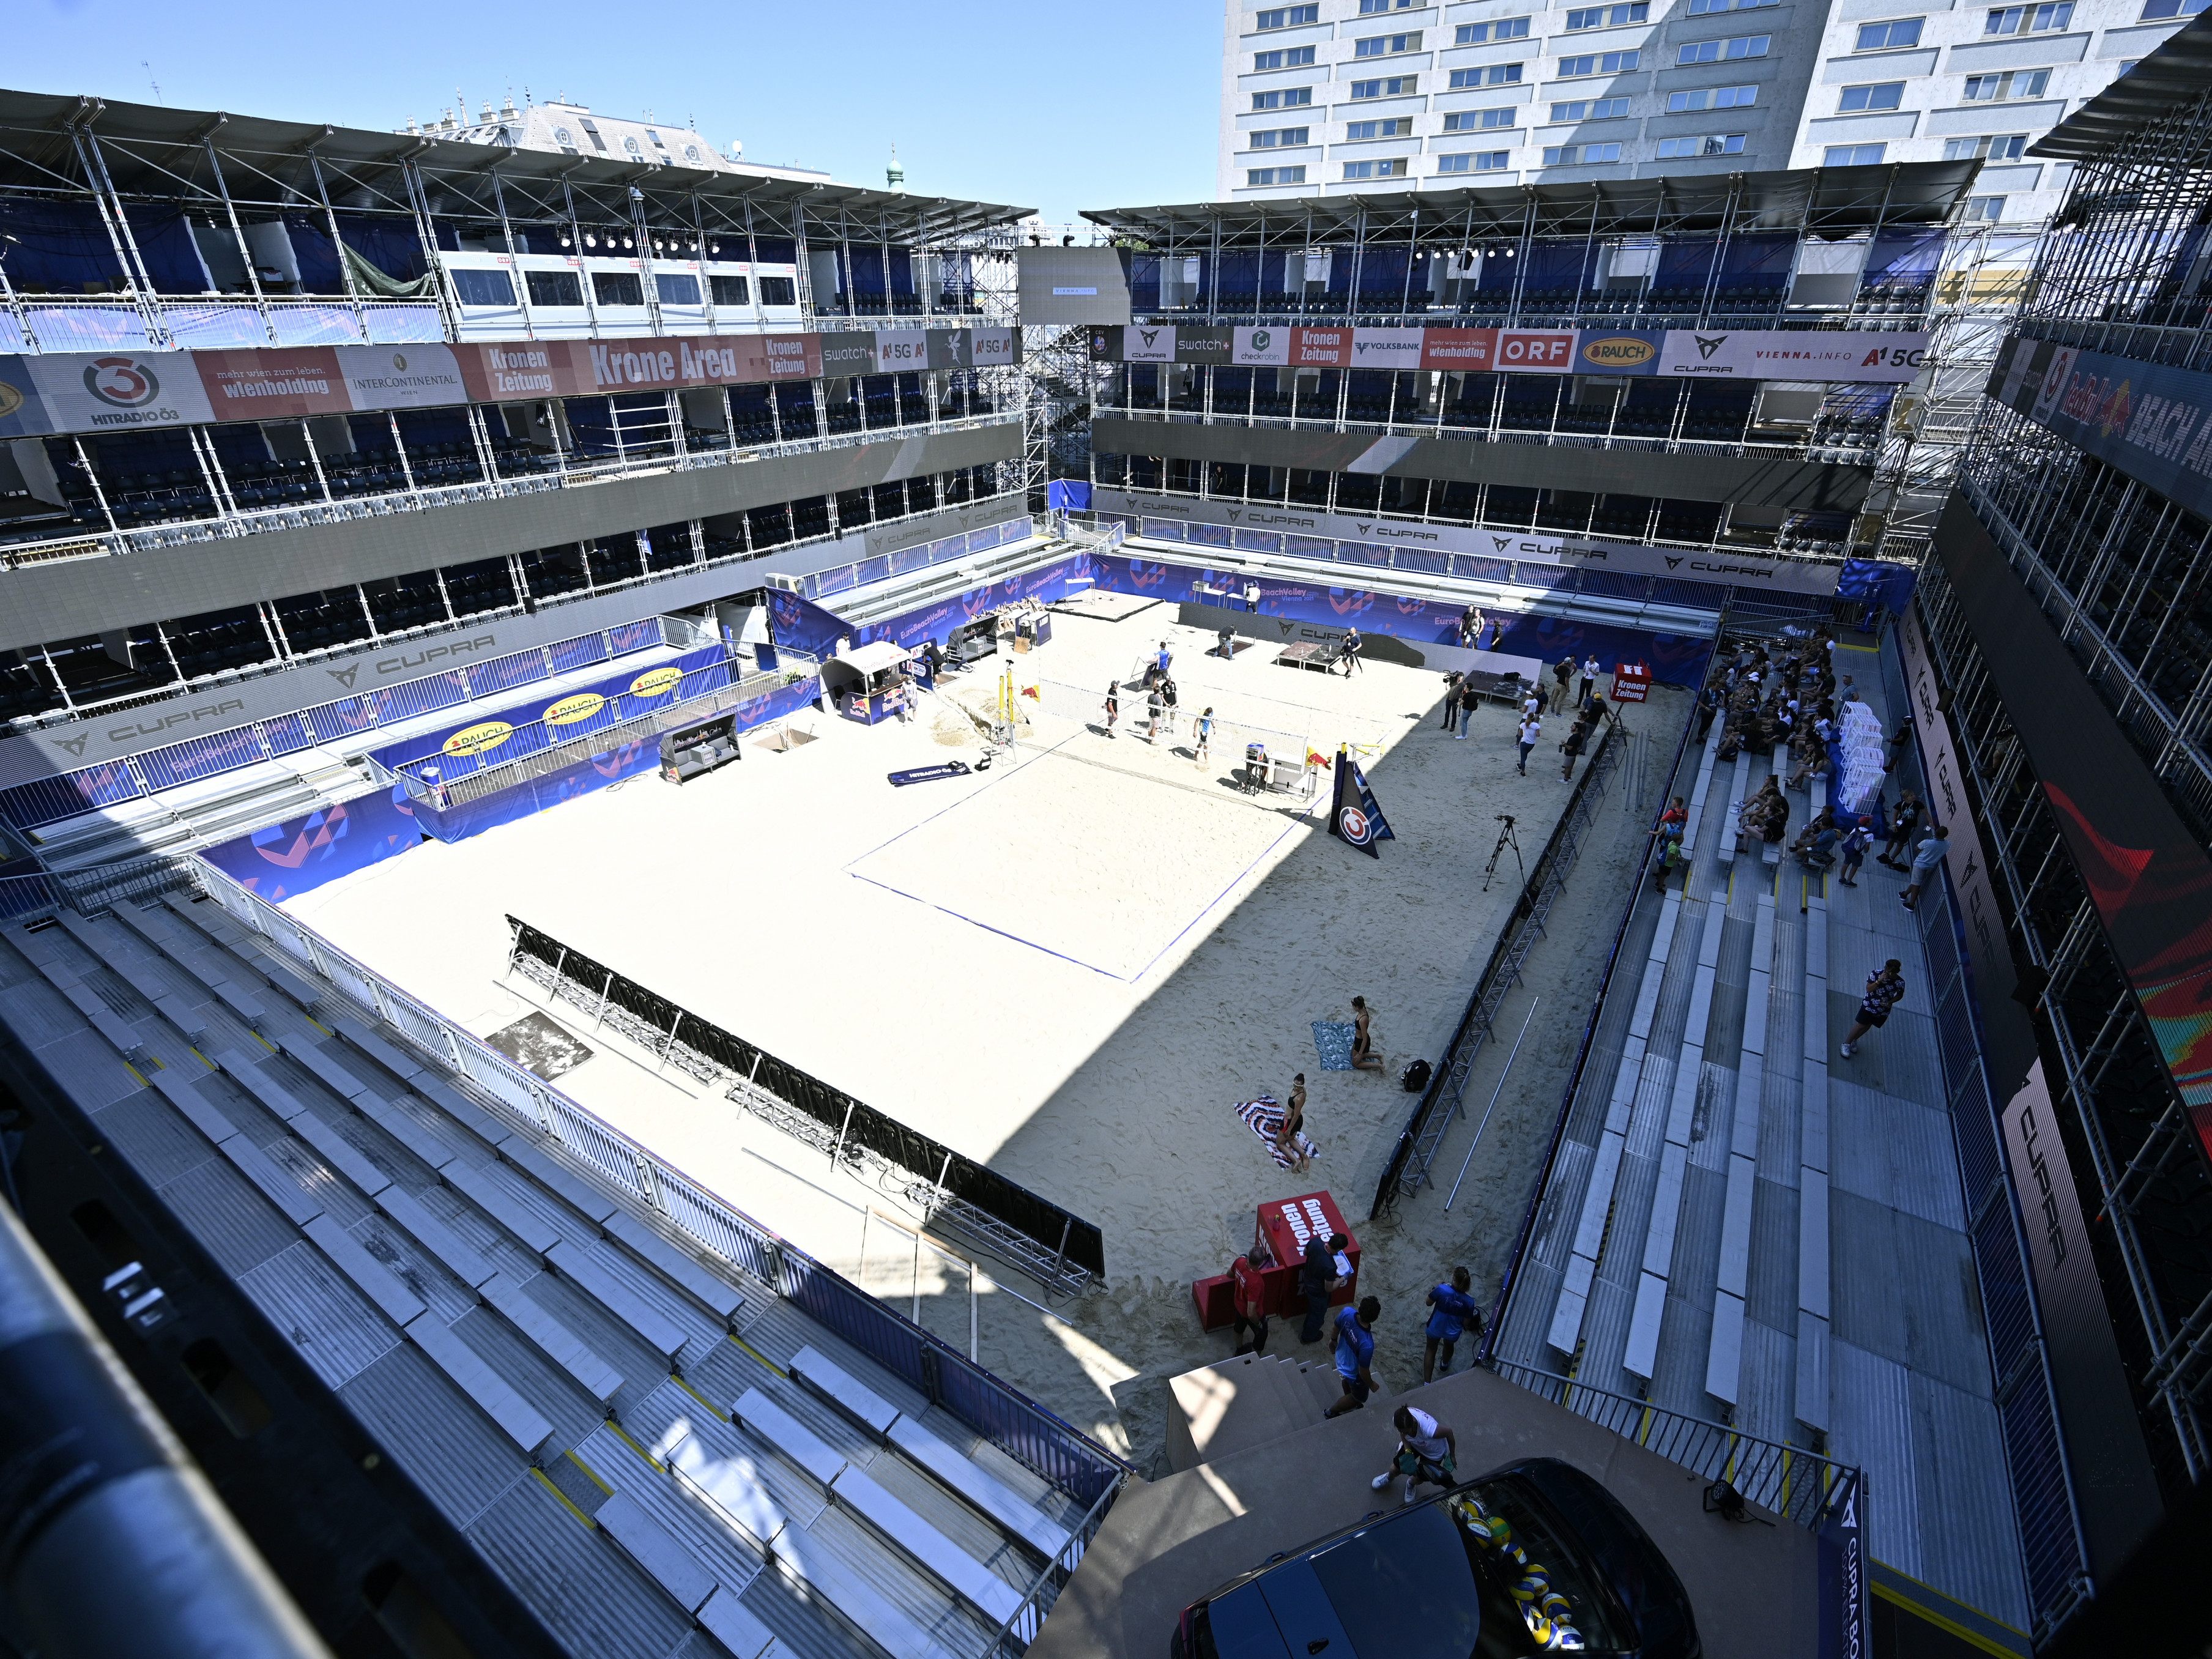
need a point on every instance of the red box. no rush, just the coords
(1279, 1245)
(1216, 1299)
(1632, 682)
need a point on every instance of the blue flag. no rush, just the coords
(1355, 817)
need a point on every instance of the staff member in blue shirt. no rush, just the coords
(1355, 1354)
(1454, 1311)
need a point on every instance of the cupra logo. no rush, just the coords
(1708, 344)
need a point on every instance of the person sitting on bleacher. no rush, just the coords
(1816, 845)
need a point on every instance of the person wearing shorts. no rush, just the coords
(1455, 1312)
(1885, 989)
(1427, 1452)
(1355, 1354)
(1204, 733)
(1113, 705)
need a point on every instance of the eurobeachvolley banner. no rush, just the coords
(1850, 356)
(123, 391)
(1674, 658)
(282, 861)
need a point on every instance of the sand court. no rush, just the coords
(1039, 859)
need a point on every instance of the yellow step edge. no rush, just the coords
(544, 1480)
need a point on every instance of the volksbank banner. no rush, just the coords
(120, 391)
(2152, 422)
(1851, 355)
(1351, 539)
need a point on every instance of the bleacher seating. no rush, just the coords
(544, 1308)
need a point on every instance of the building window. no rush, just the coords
(1477, 34)
(1287, 17)
(2029, 19)
(729, 290)
(1262, 176)
(2013, 83)
(2156, 8)
(1680, 103)
(1724, 51)
(1984, 209)
(1884, 94)
(1400, 127)
(484, 287)
(565, 287)
(1496, 75)
(1719, 143)
(1282, 137)
(1591, 109)
(1478, 161)
(618, 288)
(1888, 37)
(1480, 120)
(1706, 8)
(1598, 63)
(1286, 57)
(1567, 155)
(1288, 98)
(779, 290)
(1608, 17)
(1853, 155)
(1369, 8)
(1988, 148)
(1386, 45)
(1393, 168)
(1396, 86)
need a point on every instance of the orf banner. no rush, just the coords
(1354, 816)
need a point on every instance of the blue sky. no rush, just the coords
(1047, 103)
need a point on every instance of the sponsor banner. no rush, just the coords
(1203, 345)
(1864, 356)
(401, 377)
(1143, 344)
(993, 348)
(901, 350)
(2152, 422)
(1386, 347)
(1106, 343)
(1324, 348)
(1459, 350)
(273, 385)
(1627, 352)
(521, 368)
(22, 411)
(1536, 350)
(1366, 540)
(118, 391)
(844, 355)
(282, 861)
(1260, 347)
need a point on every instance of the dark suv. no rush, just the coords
(1531, 1558)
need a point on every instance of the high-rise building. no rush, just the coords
(1338, 96)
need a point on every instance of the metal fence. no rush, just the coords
(1800, 1486)
(110, 783)
(1441, 1101)
(1017, 1425)
(883, 566)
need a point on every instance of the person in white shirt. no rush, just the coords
(1427, 1451)
(1531, 729)
(1589, 681)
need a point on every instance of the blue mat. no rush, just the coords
(1334, 1042)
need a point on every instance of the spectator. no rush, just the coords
(1427, 1451)
(1816, 843)
(1902, 822)
(1531, 729)
(1572, 748)
(1708, 704)
(1590, 680)
(1673, 821)
(1564, 671)
(1885, 989)
(1318, 1279)
(1670, 857)
(1853, 847)
(1355, 1354)
(1899, 741)
(1470, 696)
(1455, 1312)
(1248, 1308)
(1925, 858)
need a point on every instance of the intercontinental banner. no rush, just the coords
(1862, 356)
(121, 392)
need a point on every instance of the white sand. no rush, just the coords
(1073, 965)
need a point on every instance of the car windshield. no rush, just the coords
(1537, 1594)
(1406, 1581)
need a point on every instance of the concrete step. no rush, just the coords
(1234, 1404)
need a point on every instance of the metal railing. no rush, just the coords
(1442, 1101)
(1056, 1451)
(1800, 1486)
(819, 584)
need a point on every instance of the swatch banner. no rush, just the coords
(125, 390)
(1675, 658)
(2152, 422)
(1864, 357)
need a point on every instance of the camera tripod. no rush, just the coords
(1505, 838)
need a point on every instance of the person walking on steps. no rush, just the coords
(1364, 1057)
(1531, 730)
(1925, 858)
(1355, 1354)
(1318, 1279)
(1113, 705)
(1885, 989)
(1428, 1452)
(1455, 1314)
(1470, 698)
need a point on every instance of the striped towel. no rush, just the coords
(1264, 1116)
